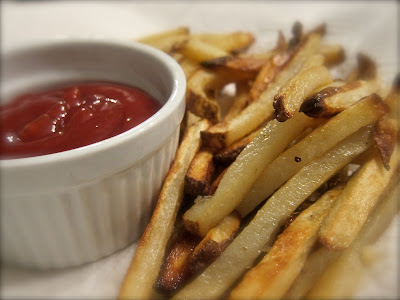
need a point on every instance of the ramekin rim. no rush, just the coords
(178, 92)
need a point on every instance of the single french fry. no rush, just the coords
(340, 279)
(164, 34)
(273, 275)
(199, 87)
(237, 63)
(174, 271)
(199, 50)
(143, 271)
(245, 248)
(363, 113)
(292, 94)
(225, 133)
(240, 176)
(214, 243)
(199, 175)
(334, 99)
(358, 199)
(230, 42)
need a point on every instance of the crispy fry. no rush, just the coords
(365, 112)
(225, 133)
(200, 86)
(237, 63)
(341, 277)
(240, 176)
(199, 50)
(359, 197)
(143, 271)
(334, 99)
(174, 271)
(230, 42)
(273, 275)
(199, 175)
(246, 247)
(214, 243)
(291, 95)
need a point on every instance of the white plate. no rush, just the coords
(361, 26)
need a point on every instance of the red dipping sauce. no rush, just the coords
(70, 117)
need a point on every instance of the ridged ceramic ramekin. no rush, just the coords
(76, 206)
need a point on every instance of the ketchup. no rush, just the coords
(70, 117)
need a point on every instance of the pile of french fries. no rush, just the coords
(283, 175)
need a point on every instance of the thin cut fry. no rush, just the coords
(230, 42)
(199, 50)
(291, 95)
(143, 271)
(361, 194)
(363, 113)
(273, 275)
(199, 174)
(245, 248)
(340, 279)
(332, 100)
(240, 176)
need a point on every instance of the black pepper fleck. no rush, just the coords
(297, 159)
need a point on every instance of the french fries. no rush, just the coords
(240, 176)
(282, 175)
(358, 199)
(334, 99)
(274, 274)
(143, 272)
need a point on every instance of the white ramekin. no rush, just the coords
(74, 207)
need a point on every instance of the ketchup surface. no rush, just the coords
(70, 117)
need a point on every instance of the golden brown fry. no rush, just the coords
(267, 73)
(341, 277)
(246, 247)
(237, 63)
(199, 50)
(143, 271)
(334, 99)
(291, 95)
(199, 98)
(214, 243)
(365, 112)
(230, 42)
(273, 275)
(358, 199)
(174, 270)
(240, 176)
(225, 133)
(199, 175)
